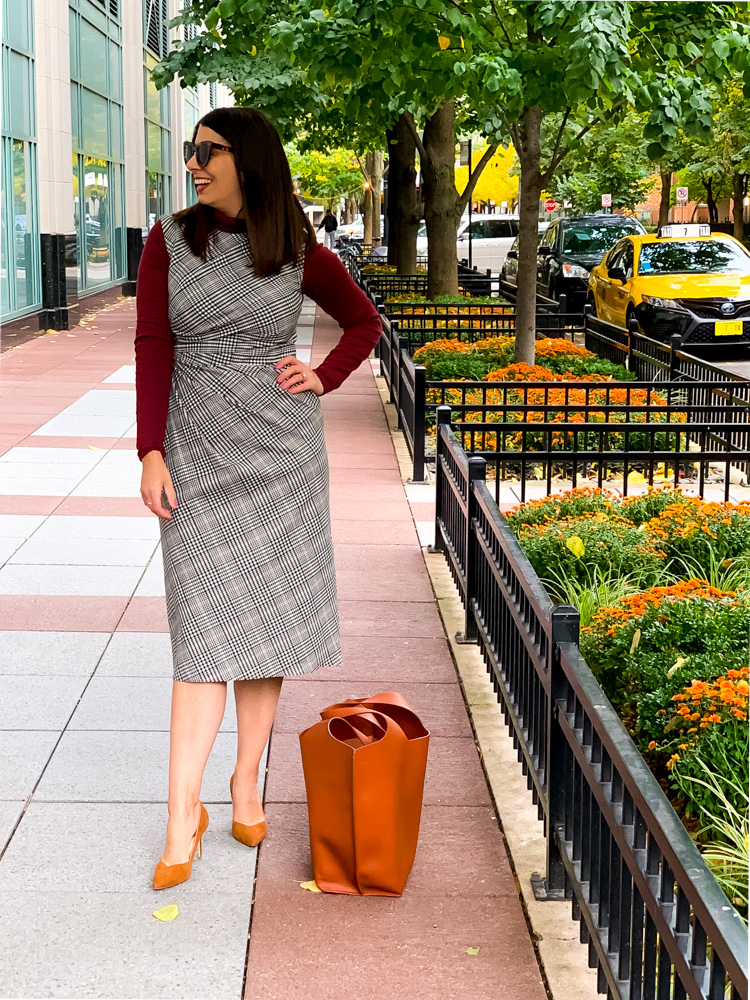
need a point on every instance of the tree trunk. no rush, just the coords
(738, 188)
(666, 190)
(531, 190)
(374, 167)
(713, 208)
(403, 206)
(441, 201)
(367, 216)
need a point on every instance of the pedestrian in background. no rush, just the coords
(230, 435)
(331, 225)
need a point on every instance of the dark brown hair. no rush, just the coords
(278, 230)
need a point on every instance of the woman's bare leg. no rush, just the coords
(197, 711)
(256, 708)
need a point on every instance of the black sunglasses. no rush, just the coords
(201, 151)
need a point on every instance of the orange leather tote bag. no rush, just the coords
(364, 765)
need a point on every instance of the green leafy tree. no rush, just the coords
(610, 159)
(326, 176)
(585, 63)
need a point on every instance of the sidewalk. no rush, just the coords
(84, 716)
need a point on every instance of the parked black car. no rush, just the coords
(509, 271)
(571, 247)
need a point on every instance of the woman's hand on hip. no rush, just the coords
(156, 480)
(295, 376)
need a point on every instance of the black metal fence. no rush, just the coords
(657, 924)
(652, 360)
(597, 432)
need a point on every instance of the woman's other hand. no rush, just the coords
(295, 376)
(155, 480)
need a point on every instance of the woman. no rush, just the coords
(230, 435)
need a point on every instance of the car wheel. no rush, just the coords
(592, 303)
(630, 315)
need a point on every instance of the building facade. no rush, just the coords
(91, 151)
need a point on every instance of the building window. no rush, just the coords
(212, 98)
(20, 253)
(155, 26)
(157, 125)
(96, 94)
(191, 120)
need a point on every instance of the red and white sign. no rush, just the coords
(606, 201)
(550, 205)
(682, 194)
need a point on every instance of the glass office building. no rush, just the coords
(80, 193)
(96, 98)
(20, 257)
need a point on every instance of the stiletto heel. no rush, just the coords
(248, 834)
(165, 876)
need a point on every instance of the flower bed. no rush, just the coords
(662, 583)
(560, 362)
(447, 359)
(374, 269)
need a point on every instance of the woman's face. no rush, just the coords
(217, 183)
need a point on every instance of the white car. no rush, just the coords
(491, 238)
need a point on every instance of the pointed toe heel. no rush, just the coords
(166, 876)
(248, 834)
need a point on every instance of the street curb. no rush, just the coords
(555, 935)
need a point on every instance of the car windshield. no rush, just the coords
(693, 257)
(593, 239)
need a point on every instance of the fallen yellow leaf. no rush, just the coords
(92, 447)
(167, 913)
(472, 951)
(636, 478)
(636, 641)
(576, 546)
(311, 886)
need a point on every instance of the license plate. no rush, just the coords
(728, 328)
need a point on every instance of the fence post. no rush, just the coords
(393, 369)
(379, 344)
(477, 473)
(633, 331)
(565, 626)
(403, 345)
(443, 415)
(418, 430)
(675, 343)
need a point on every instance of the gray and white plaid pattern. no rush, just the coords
(248, 557)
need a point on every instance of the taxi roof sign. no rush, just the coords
(688, 229)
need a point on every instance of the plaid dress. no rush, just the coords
(248, 557)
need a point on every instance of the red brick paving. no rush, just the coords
(461, 893)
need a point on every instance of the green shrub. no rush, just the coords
(579, 366)
(447, 367)
(583, 500)
(574, 547)
(651, 645)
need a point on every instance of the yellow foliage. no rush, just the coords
(495, 183)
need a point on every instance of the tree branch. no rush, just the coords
(560, 134)
(409, 119)
(463, 199)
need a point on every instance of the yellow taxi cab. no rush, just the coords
(685, 280)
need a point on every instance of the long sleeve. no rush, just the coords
(329, 284)
(154, 344)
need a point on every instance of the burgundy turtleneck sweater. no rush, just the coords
(325, 280)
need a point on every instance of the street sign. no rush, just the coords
(682, 194)
(465, 154)
(606, 201)
(567, 204)
(550, 205)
